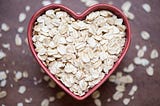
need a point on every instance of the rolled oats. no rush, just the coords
(45, 2)
(133, 90)
(129, 69)
(154, 54)
(27, 8)
(126, 101)
(70, 48)
(6, 45)
(117, 95)
(20, 29)
(22, 89)
(150, 71)
(18, 40)
(126, 6)
(52, 84)
(129, 15)
(5, 27)
(22, 17)
(140, 53)
(146, 7)
(145, 35)
(60, 95)
(57, 1)
(3, 83)
(18, 75)
(98, 102)
(45, 102)
(28, 100)
(120, 88)
(141, 61)
(51, 99)
(25, 74)
(2, 54)
(3, 94)
(96, 94)
(20, 104)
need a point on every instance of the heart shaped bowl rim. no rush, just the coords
(82, 16)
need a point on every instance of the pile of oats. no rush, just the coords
(79, 53)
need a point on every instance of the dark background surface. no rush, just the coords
(148, 93)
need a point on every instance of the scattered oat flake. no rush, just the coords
(20, 104)
(22, 17)
(3, 94)
(96, 94)
(141, 61)
(51, 99)
(45, 102)
(6, 46)
(26, 41)
(18, 75)
(2, 54)
(132, 97)
(46, 2)
(0, 35)
(11, 85)
(60, 95)
(25, 74)
(98, 102)
(129, 69)
(3, 75)
(57, 1)
(22, 89)
(126, 101)
(5, 27)
(27, 8)
(140, 53)
(133, 90)
(126, 6)
(7, 71)
(146, 7)
(144, 48)
(46, 78)
(20, 29)
(117, 95)
(129, 15)
(120, 88)
(89, 3)
(28, 100)
(145, 35)
(126, 79)
(110, 2)
(150, 71)
(3, 83)
(18, 40)
(154, 54)
(52, 84)
(109, 100)
(137, 47)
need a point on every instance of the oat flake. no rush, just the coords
(22, 17)
(5, 27)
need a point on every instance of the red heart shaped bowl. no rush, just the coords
(82, 16)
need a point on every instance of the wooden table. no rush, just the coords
(21, 59)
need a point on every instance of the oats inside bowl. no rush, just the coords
(79, 52)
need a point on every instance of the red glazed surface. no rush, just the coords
(82, 16)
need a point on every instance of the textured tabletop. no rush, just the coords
(22, 82)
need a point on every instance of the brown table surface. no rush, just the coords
(148, 93)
